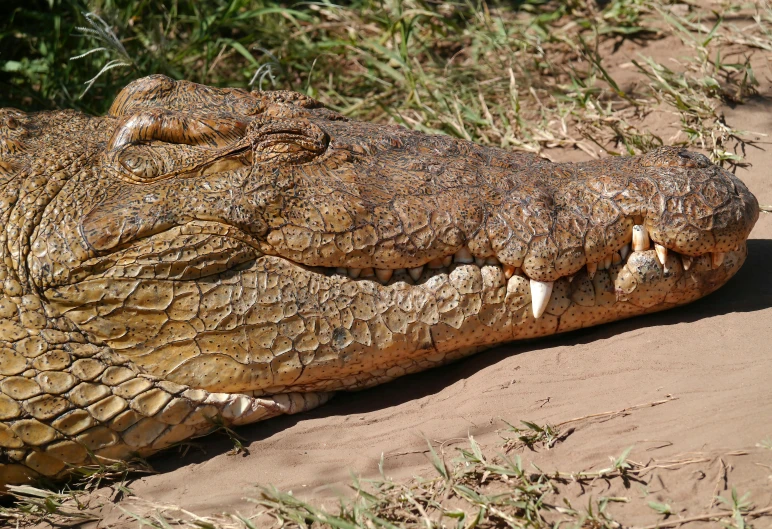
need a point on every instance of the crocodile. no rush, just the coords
(204, 257)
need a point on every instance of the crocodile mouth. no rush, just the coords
(639, 254)
(203, 251)
(640, 264)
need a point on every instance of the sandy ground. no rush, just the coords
(713, 359)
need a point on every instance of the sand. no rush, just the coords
(711, 361)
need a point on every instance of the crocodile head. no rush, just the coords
(236, 251)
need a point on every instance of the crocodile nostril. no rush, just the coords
(674, 157)
(693, 159)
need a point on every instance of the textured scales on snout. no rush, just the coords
(205, 256)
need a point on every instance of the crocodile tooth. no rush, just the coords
(368, 272)
(661, 253)
(354, 272)
(383, 274)
(446, 261)
(434, 264)
(607, 261)
(687, 261)
(509, 271)
(591, 269)
(463, 256)
(540, 296)
(416, 272)
(341, 271)
(717, 258)
(624, 251)
(641, 241)
(479, 261)
(493, 261)
(571, 278)
(616, 259)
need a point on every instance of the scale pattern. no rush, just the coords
(203, 257)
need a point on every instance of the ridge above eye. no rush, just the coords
(212, 132)
(157, 143)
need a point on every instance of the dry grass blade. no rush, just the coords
(623, 411)
(706, 518)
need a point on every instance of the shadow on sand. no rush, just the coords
(749, 291)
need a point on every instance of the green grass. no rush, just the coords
(526, 75)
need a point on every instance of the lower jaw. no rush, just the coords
(280, 327)
(381, 332)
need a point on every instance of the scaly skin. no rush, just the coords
(189, 260)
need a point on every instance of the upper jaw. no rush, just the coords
(356, 196)
(553, 223)
(325, 191)
(563, 240)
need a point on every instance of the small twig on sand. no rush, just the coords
(671, 465)
(706, 518)
(722, 476)
(619, 412)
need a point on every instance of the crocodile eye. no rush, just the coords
(291, 141)
(142, 164)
